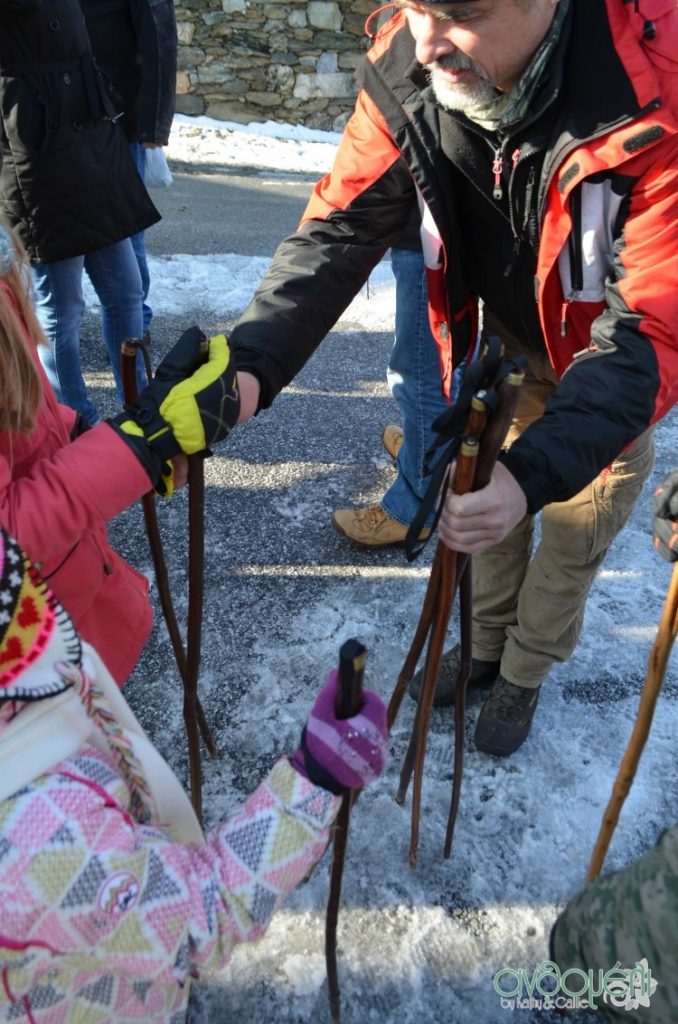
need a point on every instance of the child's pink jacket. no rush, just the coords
(56, 497)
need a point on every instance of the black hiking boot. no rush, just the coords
(483, 675)
(505, 718)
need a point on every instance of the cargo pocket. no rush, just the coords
(616, 490)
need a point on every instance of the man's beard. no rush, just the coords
(477, 91)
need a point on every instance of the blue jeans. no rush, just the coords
(138, 243)
(414, 379)
(114, 274)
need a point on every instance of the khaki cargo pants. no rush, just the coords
(528, 607)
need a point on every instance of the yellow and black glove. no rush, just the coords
(191, 404)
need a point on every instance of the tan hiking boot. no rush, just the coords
(392, 439)
(371, 527)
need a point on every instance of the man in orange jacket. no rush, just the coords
(539, 140)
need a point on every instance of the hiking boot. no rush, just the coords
(392, 439)
(371, 527)
(505, 718)
(483, 674)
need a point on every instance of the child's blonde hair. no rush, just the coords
(20, 383)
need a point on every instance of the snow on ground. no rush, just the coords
(281, 147)
(419, 944)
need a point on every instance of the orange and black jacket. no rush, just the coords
(566, 227)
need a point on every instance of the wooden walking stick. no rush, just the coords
(473, 429)
(438, 602)
(416, 753)
(491, 442)
(463, 676)
(351, 666)
(659, 656)
(188, 660)
(193, 712)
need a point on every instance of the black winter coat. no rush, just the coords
(135, 45)
(67, 181)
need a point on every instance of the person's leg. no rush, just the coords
(139, 240)
(115, 277)
(499, 572)
(576, 536)
(59, 306)
(414, 379)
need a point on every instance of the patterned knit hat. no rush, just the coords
(35, 631)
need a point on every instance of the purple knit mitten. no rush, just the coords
(342, 753)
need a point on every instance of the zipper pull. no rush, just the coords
(497, 167)
(515, 157)
(563, 316)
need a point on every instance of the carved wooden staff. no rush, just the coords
(492, 438)
(351, 666)
(436, 610)
(659, 656)
(478, 409)
(188, 659)
(448, 579)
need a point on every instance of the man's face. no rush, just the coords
(473, 49)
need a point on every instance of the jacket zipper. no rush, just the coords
(574, 248)
(498, 169)
(576, 268)
(521, 154)
(518, 156)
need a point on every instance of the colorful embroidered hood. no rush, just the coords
(35, 631)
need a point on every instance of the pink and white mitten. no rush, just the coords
(342, 753)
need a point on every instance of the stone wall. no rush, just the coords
(260, 60)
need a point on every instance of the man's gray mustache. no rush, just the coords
(456, 62)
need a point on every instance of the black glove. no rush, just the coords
(665, 522)
(191, 404)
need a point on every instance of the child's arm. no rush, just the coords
(69, 493)
(125, 900)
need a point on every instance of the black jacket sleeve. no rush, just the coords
(603, 402)
(156, 32)
(314, 276)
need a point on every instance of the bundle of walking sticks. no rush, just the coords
(470, 438)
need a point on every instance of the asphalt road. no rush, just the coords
(246, 212)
